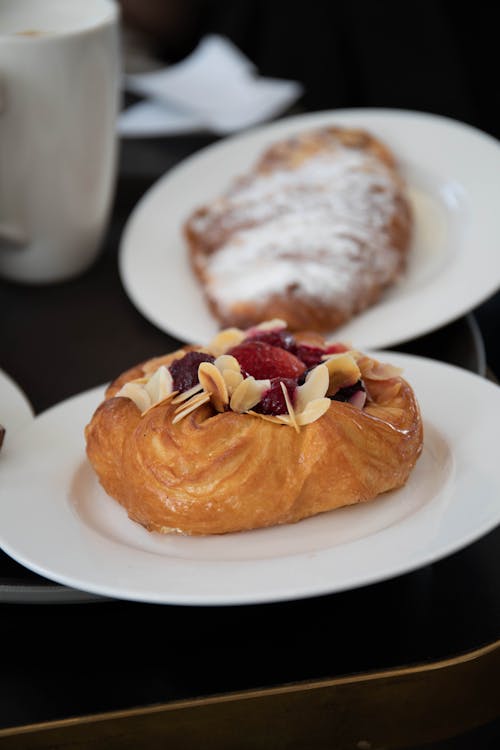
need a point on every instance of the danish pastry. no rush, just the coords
(260, 428)
(313, 234)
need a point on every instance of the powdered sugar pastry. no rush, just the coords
(315, 230)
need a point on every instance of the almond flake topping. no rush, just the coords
(343, 372)
(267, 417)
(315, 386)
(225, 340)
(248, 394)
(232, 380)
(136, 393)
(313, 411)
(230, 369)
(227, 362)
(223, 384)
(271, 325)
(374, 370)
(147, 392)
(194, 402)
(185, 409)
(214, 384)
(187, 394)
(291, 412)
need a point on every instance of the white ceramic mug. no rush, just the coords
(59, 99)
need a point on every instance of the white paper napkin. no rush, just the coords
(216, 88)
(154, 118)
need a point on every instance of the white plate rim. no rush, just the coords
(428, 308)
(13, 541)
(18, 409)
(18, 414)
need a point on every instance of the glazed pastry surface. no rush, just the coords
(218, 471)
(313, 234)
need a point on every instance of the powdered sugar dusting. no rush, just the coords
(315, 230)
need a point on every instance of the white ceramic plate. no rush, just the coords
(15, 409)
(56, 520)
(453, 177)
(16, 413)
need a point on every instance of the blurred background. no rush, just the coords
(438, 56)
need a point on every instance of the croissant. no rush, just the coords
(312, 234)
(260, 428)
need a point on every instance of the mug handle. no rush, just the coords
(11, 236)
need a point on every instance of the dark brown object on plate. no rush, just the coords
(313, 234)
(2, 435)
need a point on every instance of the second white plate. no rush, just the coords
(453, 176)
(15, 409)
(56, 519)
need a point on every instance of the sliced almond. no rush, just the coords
(148, 392)
(225, 340)
(289, 406)
(214, 384)
(315, 386)
(336, 360)
(343, 371)
(313, 411)
(232, 380)
(352, 352)
(187, 394)
(159, 385)
(268, 417)
(358, 399)
(270, 325)
(201, 398)
(285, 419)
(375, 370)
(157, 403)
(230, 369)
(227, 362)
(136, 393)
(191, 406)
(248, 394)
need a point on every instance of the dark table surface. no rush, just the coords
(69, 659)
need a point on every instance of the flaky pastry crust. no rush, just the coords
(214, 473)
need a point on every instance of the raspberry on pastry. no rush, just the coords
(267, 361)
(246, 444)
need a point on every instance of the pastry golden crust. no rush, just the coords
(313, 234)
(214, 472)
